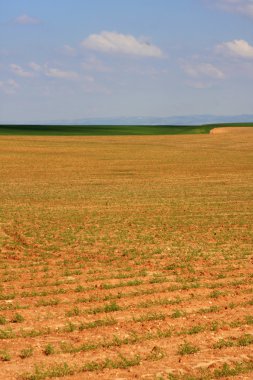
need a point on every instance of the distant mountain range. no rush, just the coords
(149, 120)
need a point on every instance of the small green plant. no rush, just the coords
(250, 302)
(178, 314)
(18, 318)
(195, 329)
(26, 353)
(5, 356)
(216, 294)
(97, 323)
(150, 317)
(211, 309)
(73, 312)
(6, 334)
(220, 276)
(158, 280)
(70, 327)
(214, 326)
(7, 296)
(171, 267)
(222, 343)
(157, 353)
(49, 349)
(2, 320)
(33, 333)
(187, 349)
(91, 366)
(79, 289)
(110, 307)
(122, 362)
(245, 340)
(42, 373)
(226, 370)
(171, 376)
(46, 302)
(236, 323)
(249, 319)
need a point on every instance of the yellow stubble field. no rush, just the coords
(126, 257)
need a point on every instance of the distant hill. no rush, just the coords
(170, 120)
(147, 120)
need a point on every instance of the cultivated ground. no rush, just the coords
(126, 257)
(232, 130)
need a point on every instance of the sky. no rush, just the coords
(73, 59)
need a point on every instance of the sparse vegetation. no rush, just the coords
(26, 353)
(125, 251)
(49, 349)
(17, 318)
(187, 349)
(5, 356)
(2, 320)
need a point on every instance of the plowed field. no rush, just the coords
(126, 257)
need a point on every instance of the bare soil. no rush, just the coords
(233, 130)
(117, 251)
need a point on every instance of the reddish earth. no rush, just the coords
(124, 246)
(237, 130)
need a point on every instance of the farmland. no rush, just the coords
(126, 257)
(110, 130)
(101, 130)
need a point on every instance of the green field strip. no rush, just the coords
(101, 130)
(110, 130)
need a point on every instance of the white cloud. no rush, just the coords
(69, 50)
(94, 64)
(19, 71)
(112, 42)
(239, 48)
(244, 7)
(27, 20)
(203, 70)
(35, 66)
(9, 87)
(61, 74)
(44, 70)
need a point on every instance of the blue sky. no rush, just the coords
(62, 59)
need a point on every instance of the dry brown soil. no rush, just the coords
(232, 130)
(116, 251)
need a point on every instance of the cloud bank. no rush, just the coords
(244, 7)
(27, 20)
(62, 74)
(19, 71)
(238, 48)
(112, 42)
(203, 70)
(52, 72)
